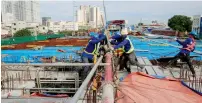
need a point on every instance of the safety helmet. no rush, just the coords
(193, 33)
(124, 31)
(93, 34)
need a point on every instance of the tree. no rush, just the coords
(65, 32)
(23, 32)
(180, 23)
(140, 24)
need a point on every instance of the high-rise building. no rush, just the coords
(45, 21)
(28, 11)
(80, 16)
(7, 12)
(89, 15)
(95, 17)
(197, 24)
(20, 11)
(83, 14)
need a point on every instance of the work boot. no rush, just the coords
(128, 70)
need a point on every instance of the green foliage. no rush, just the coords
(140, 24)
(23, 32)
(180, 23)
(69, 33)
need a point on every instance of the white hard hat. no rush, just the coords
(124, 31)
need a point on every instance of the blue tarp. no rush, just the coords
(155, 52)
(21, 56)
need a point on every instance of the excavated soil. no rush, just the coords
(50, 42)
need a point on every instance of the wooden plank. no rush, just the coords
(175, 74)
(168, 74)
(146, 60)
(150, 70)
(133, 68)
(158, 71)
(141, 61)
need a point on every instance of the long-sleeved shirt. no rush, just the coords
(91, 47)
(184, 44)
(116, 39)
(125, 43)
(103, 38)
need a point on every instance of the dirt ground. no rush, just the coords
(50, 42)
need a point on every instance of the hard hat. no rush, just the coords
(193, 33)
(124, 31)
(93, 34)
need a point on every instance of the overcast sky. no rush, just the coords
(132, 11)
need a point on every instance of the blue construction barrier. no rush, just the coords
(34, 56)
(154, 52)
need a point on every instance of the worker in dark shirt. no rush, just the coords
(187, 46)
(115, 40)
(89, 52)
(103, 43)
(129, 54)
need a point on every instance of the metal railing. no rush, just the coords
(85, 82)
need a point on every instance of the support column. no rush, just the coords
(108, 89)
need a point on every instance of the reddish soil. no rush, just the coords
(50, 42)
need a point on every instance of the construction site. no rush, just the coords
(48, 69)
(52, 81)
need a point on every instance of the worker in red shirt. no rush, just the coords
(187, 46)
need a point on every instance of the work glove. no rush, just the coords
(175, 38)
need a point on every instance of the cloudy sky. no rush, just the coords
(132, 11)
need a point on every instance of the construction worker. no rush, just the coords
(129, 54)
(103, 42)
(89, 52)
(102, 35)
(115, 40)
(187, 46)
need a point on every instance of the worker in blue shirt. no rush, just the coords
(90, 50)
(103, 42)
(129, 54)
(187, 46)
(115, 40)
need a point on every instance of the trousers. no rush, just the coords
(131, 58)
(184, 58)
(86, 69)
